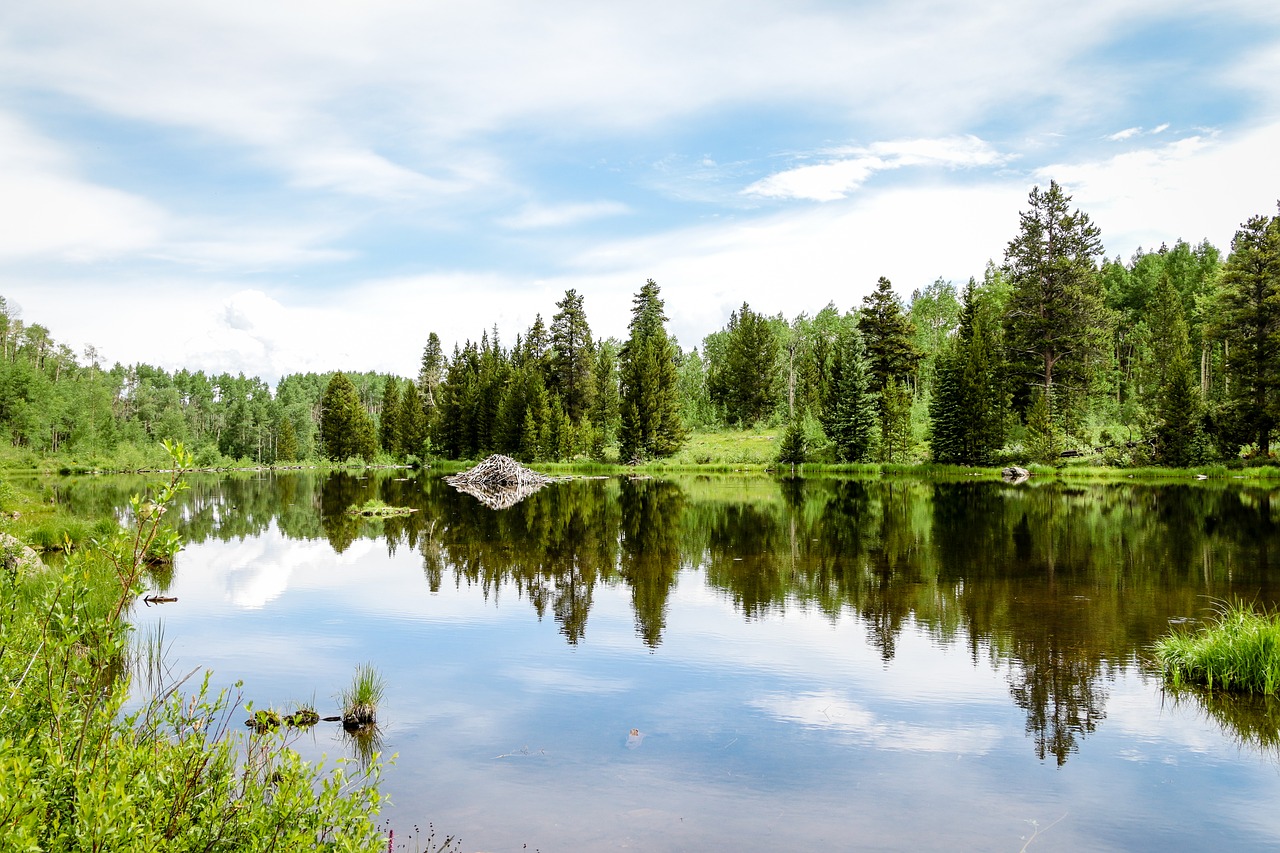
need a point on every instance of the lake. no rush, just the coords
(746, 663)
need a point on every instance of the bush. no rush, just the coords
(78, 774)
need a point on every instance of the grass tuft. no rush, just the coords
(1238, 651)
(360, 701)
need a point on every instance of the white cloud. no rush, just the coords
(534, 216)
(48, 209)
(1193, 188)
(1127, 133)
(838, 178)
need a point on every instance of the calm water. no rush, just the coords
(808, 664)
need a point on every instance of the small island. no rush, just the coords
(374, 508)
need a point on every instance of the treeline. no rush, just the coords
(1171, 357)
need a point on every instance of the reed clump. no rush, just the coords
(360, 701)
(1237, 651)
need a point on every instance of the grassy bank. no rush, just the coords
(79, 773)
(1236, 651)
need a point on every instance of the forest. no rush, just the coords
(1169, 358)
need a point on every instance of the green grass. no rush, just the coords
(1237, 651)
(360, 701)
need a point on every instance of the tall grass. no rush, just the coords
(360, 701)
(1237, 651)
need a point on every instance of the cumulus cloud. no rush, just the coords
(848, 169)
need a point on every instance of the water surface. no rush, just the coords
(748, 663)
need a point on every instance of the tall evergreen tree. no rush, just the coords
(651, 425)
(389, 417)
(572, 356)
(1249, 324)
(889, 337)
(431, 371)
(849, 411)
(286, 441)
(413, 434)
(345, 427)
(1057, 318)
(743, 383)
(968, 407)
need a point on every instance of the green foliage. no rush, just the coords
(1238, 651)
(795, 444)
(1044, 441)
(346, 429)
(650, 417)
(889, 337)
(1056, 318)
(76, 773)
(969, 404)
(895, 422)
(849, 410)
(1248, 322)
(572, 356)
(743, 381)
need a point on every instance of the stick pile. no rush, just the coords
(499, 482)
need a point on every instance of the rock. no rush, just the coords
(18, 558)
(1014, 474)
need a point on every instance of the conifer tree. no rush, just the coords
(389, 417)
(651, 426)
(895, 422)
(742, 383)
(287, 441)
(1057, 317)
(345, 427)
(1249, 323)
(572, 356)
(849, 411)
(889, 337)
(431, 371)
(413, 423)
(968, 408)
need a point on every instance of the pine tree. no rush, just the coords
(895, 422)
(413, 436)
(742, 383)
(286, 441)
(389, 417)
(572, 356)
(889, 337)
(968, 407)
(651, 426)
(1249, 323)
(795, 446)
(431, 371)
(345, 427)
(849, 411)
(1057, 318)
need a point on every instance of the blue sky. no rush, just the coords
(275, 187)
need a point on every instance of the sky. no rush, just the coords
(275, 187)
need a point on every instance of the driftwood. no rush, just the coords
(499, 482)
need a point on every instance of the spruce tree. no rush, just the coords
(286, 441)
(967, 409)
(431, 370)
(849, 411)
(889, 337)
(651, 426)
(1249, 324)
(742, 383)
(345, 427)
(413, 435)
(1057, 318)
(389, 417)
(572, 356)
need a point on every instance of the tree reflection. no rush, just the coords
(1059, 586)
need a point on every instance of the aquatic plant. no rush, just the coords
(1237, 651)
(360, 701)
